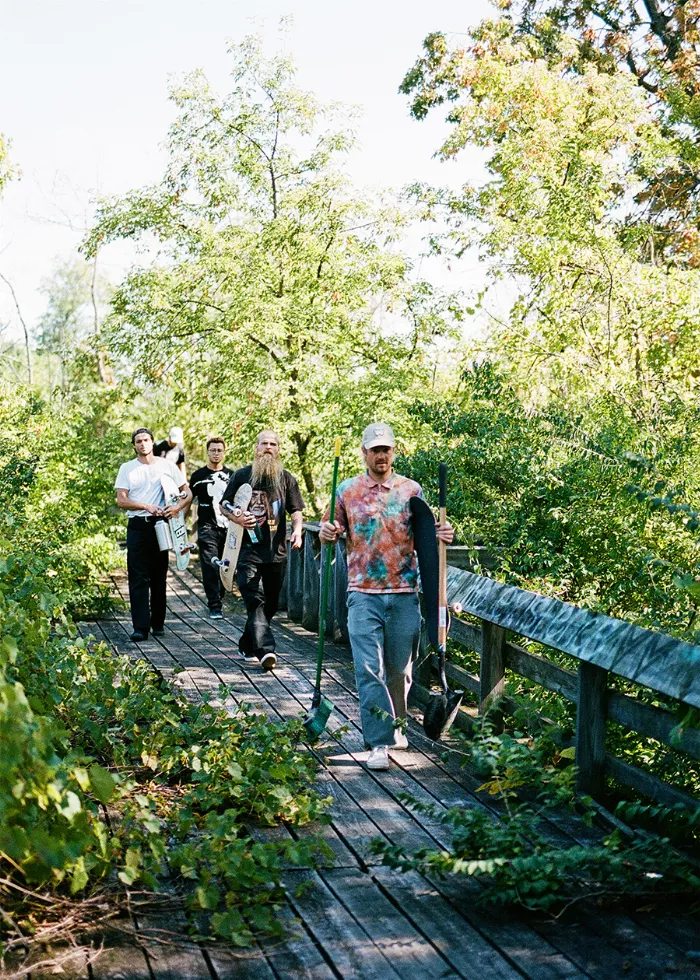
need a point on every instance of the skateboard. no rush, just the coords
(425, 544)
(178, 530)
(234, 538)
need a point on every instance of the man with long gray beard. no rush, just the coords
(261, 563)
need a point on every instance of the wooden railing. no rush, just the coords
(603, 647)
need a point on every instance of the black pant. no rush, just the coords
(211, 540)
(259, 584)
(147, 567)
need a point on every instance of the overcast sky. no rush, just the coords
(83, 99)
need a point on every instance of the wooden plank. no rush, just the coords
(542, 671)
(465, 949)
(591, 715)
(228, 962)
(640, 946)
(345, 943)
(297, 956)
(64, 961)
(653, 722)
(120, 962)
(646, 783)
(593, 953)
(652, 659)
(518, 943)
(412, 955)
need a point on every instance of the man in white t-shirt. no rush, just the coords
(140, 494)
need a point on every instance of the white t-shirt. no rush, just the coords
(142, 480)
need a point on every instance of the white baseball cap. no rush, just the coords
(176, 435)
(378, 434)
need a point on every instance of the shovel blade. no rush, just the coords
(440, 712)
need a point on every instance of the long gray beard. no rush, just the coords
(268, 470)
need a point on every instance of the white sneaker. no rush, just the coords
(400, 740)
(378, 757)
(268, 662)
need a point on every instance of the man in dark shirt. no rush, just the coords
(261, 565)
(173, 448)
(208, 485)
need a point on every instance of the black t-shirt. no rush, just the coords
(270, 509)
(208, 488)
(176, 454)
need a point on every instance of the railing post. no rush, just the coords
(295, 585)
(284, 590)
(340, 584)
(309, 619)
(591, 714)
(492, 668)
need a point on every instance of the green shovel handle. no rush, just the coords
(326, 582)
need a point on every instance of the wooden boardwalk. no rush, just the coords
(361, 920)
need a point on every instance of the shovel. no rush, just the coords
(317, 718)
(442, 708)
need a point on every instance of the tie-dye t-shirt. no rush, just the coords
(377, 519)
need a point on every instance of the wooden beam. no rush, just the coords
(646, 657)
(590, 729)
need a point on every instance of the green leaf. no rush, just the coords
(102, 782)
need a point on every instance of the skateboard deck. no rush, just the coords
(178, 529)
(425, 544)
(234, 538)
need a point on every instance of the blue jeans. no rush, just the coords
(384, 633)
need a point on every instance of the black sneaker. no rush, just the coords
(158, 632)
(268, 661)
(138, 637)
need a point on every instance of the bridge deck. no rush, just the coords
(361, 920)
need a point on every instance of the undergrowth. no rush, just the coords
(508, 845)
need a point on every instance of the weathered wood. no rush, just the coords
(387, 927)
(646, 783)
(591, 714)
(295, 585)
(543, 672)
(652, 659)
(340, 586)
(466, 634)
(336, 931)
(654, 722)
(493, 666)
(312, 575)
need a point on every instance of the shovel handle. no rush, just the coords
(442, 564)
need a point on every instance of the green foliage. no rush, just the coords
(274, 293)
(83, 730)
(572, 506)
(516, 858)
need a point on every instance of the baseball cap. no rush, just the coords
(378, 434)
(176, 434)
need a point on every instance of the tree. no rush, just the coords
(71, 320)
(591, 311)
(276, 294)
(657, 44)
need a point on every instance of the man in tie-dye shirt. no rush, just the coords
(383, 612)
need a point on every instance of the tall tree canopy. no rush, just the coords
(275, 294)
(657, 44)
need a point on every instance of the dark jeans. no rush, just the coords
(211, 539)
(147, 567)
(259, 584)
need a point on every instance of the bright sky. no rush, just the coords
(83, 98)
